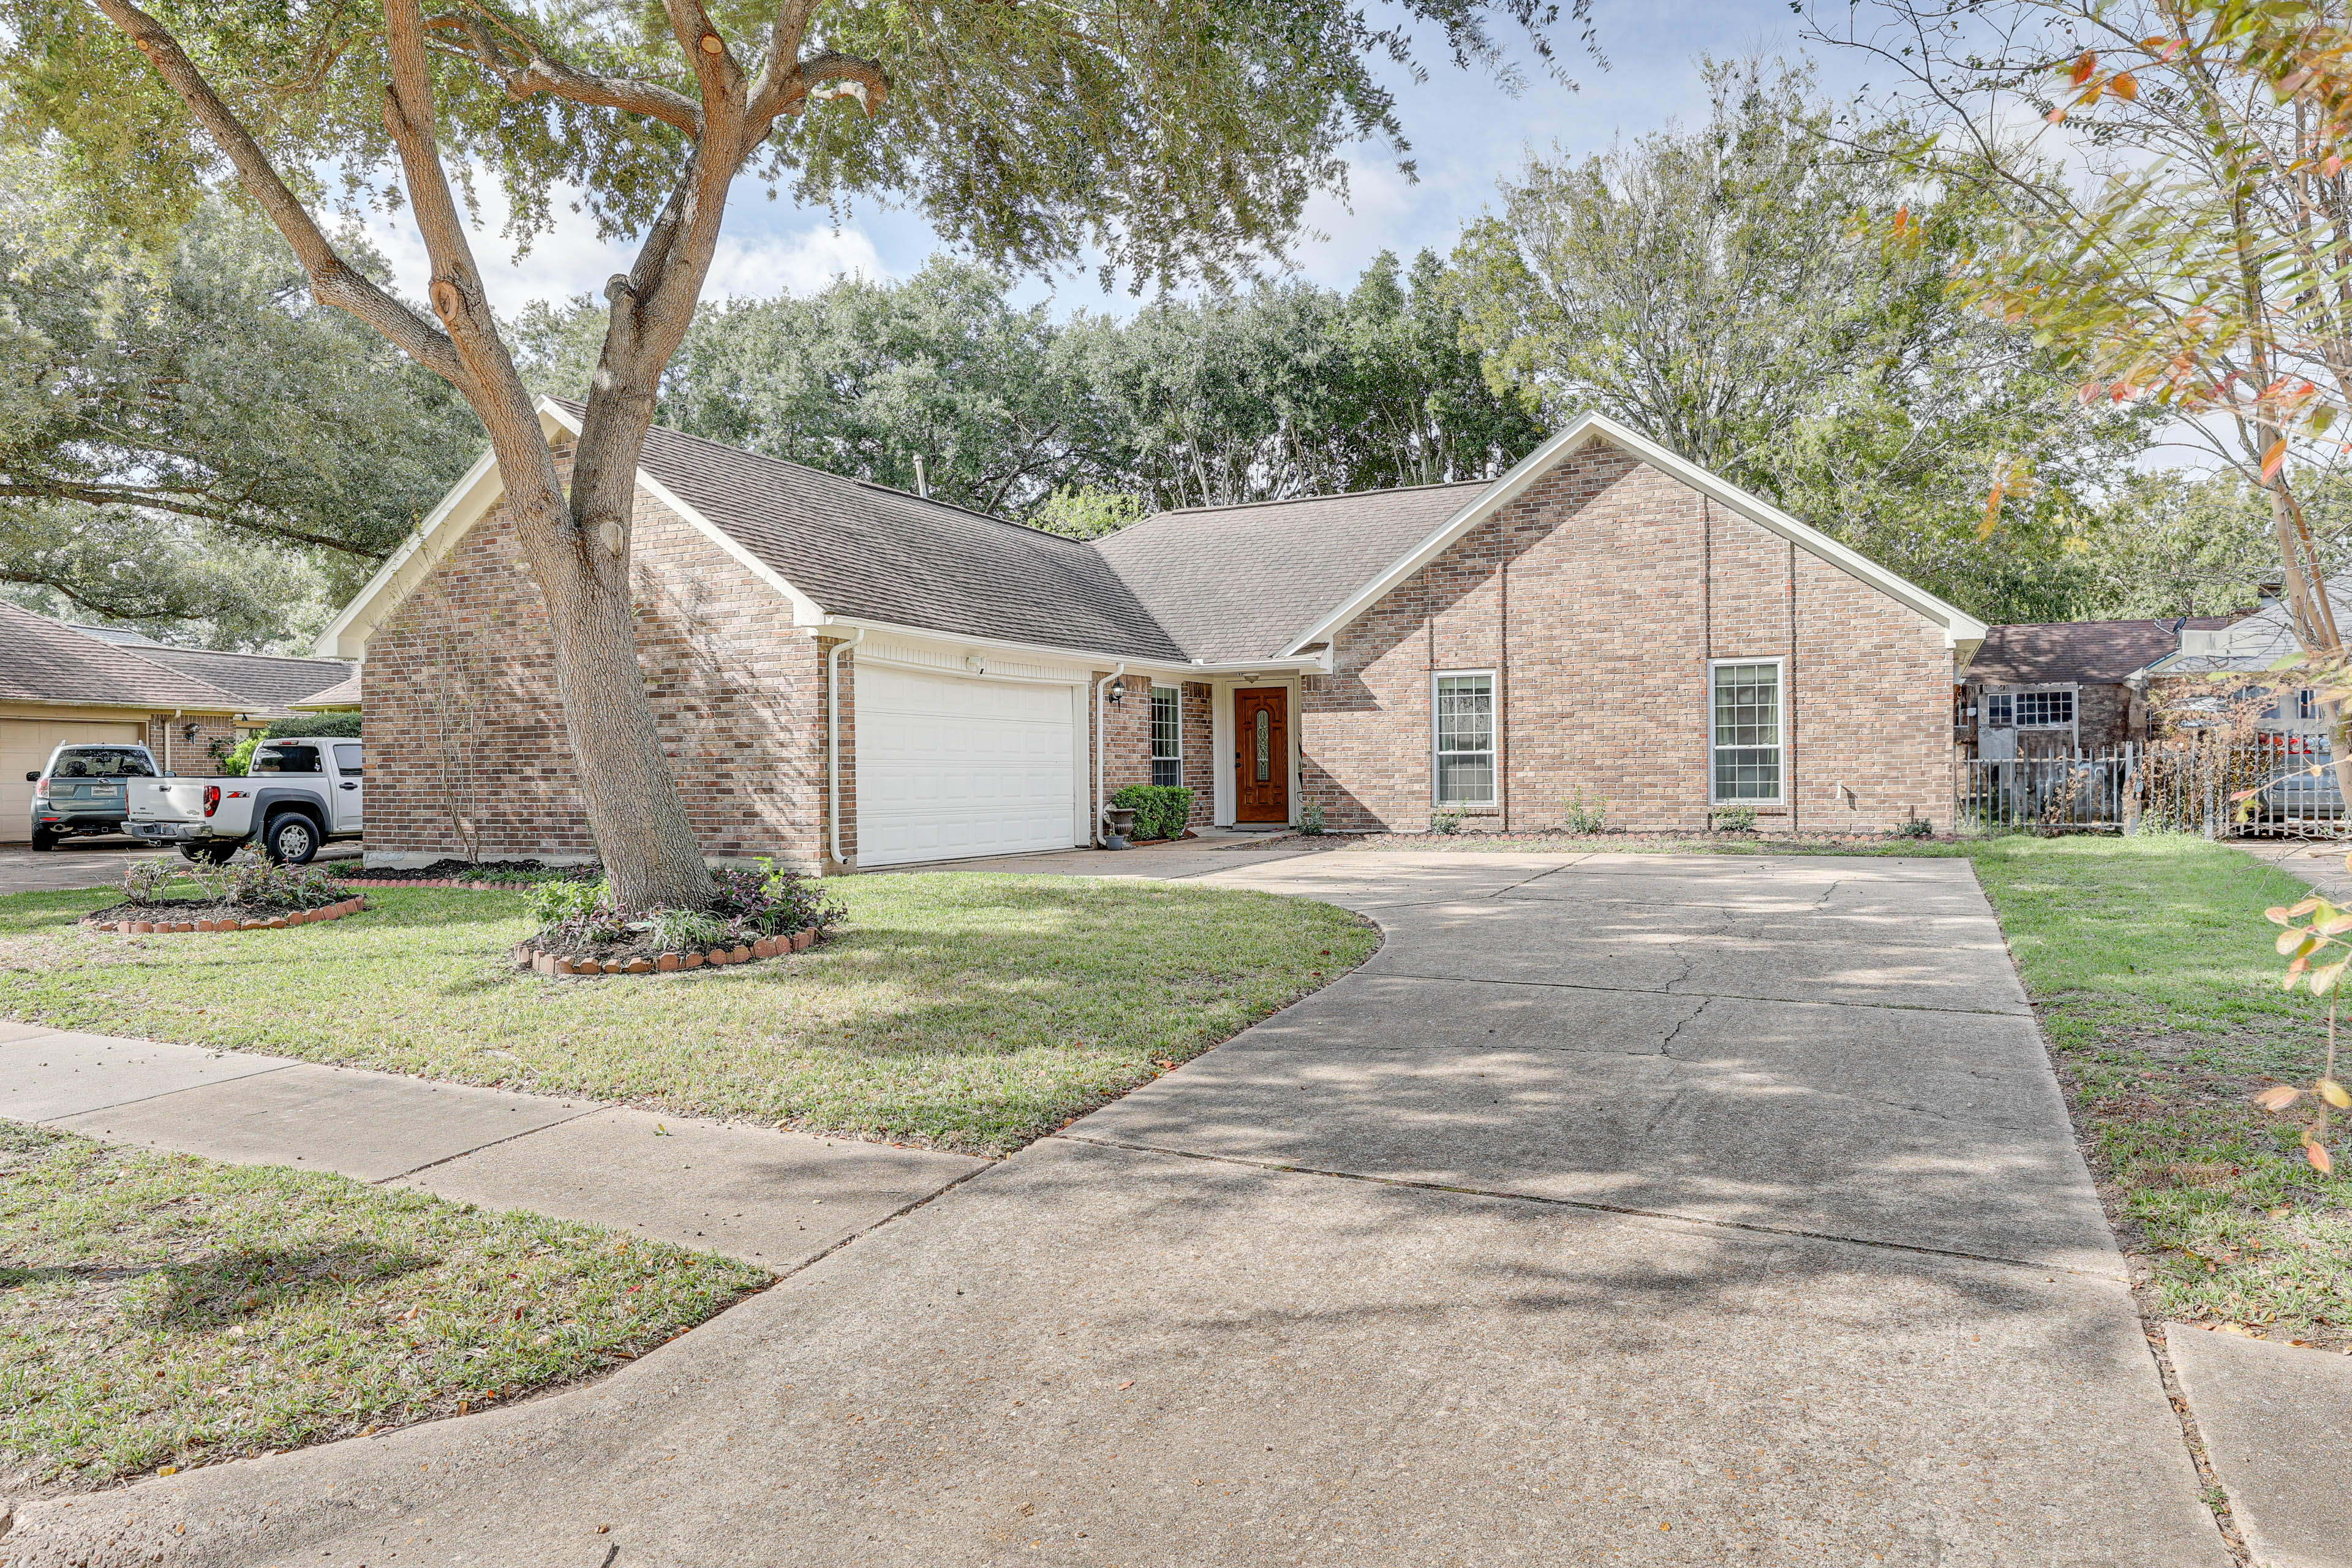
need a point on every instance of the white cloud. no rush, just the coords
(762, 266)
(569, 260)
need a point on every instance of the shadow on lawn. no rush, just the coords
(223, 1286)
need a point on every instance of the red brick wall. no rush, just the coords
(463, 721)
(1200, 752)
(1621, 583)
(173, 752)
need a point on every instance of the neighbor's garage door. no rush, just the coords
(949, 768)
(24, 745)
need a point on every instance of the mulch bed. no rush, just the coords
(189, 915)
(464, 874)
(625, 960)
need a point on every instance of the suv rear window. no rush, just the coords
(103, 763)
(285, 760)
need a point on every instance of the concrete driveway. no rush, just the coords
(1626, 1209)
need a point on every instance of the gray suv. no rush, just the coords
(82, 791)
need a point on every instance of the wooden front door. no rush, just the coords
(1260, 756)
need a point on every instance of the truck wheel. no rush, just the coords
(291, 839)
(208, 854)
(44, 840)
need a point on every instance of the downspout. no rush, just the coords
(833, 741)
(1102, 745)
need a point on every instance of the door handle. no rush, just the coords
(350, 786)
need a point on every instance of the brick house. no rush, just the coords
(849, 676)
(2052, 688)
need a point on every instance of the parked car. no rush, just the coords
(296, 795)
(2302, 796)
(80, 793)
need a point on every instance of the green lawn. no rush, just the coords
(2152, 967)
(959, 1010)
(158, 1309)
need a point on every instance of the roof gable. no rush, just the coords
(1962, 631)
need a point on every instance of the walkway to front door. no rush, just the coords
(1261, 754)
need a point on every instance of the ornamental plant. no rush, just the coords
(2316, 955)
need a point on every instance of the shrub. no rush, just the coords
(346, 725)
(237, 761)
(1310, 818)
(143, 880)
(1446, 821)
(1581, 817)
(770, 901)
(555, 903)
(251, 880)
(1160, 810)
(686, 931)
(1735, 819)
(1914, 827)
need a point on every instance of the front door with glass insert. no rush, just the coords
(1260, 756)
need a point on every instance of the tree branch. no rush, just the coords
(161, 499)
(333, 281)
(539, 73)
(495, 390)
(822, 76)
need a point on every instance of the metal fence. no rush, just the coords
(2269, 786)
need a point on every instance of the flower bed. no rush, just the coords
(247, 894)
(188, 915)
(759, 913)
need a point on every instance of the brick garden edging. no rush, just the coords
(528, 956)
(336, 911)
(450, 882)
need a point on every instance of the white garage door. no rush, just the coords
(949, 768)
(26, 744)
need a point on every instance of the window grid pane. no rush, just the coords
(1465, 740)
(2044, 710)
(1746, 732)
(1166, 738)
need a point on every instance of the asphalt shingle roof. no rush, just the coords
(1240, 582)
(2034, 652)
(41, 661)
(264, 682)
(869, 552)
(344, 694)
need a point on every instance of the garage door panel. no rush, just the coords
(26, 744)
(949, 768)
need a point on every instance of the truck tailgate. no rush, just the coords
(165, 800)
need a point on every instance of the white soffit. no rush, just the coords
(1961, 630)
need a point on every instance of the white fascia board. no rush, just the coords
(1093, 658)
(1959, 628)
(460, 508)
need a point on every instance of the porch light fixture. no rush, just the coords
(187, 732)
(1115, 690)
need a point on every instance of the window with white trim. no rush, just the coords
(1166, 737)
(1747, 730)
(1465, 739)
(2049, 709)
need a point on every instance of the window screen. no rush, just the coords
(1748, 731)
(1166, 737)
(1465, 740)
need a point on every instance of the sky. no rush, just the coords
(1466, 135)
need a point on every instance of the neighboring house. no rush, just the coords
(1604, 619)
(58, 685)
(343, 697)
(2051, 688)
(2195, 683)
(270, 684)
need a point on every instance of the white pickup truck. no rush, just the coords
(299, 795)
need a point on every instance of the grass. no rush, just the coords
(2151, 966)
(1472, 843)
(956, 1010)
(159, 1310)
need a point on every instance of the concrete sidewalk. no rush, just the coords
(1641, 1209)
(775, 1199)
